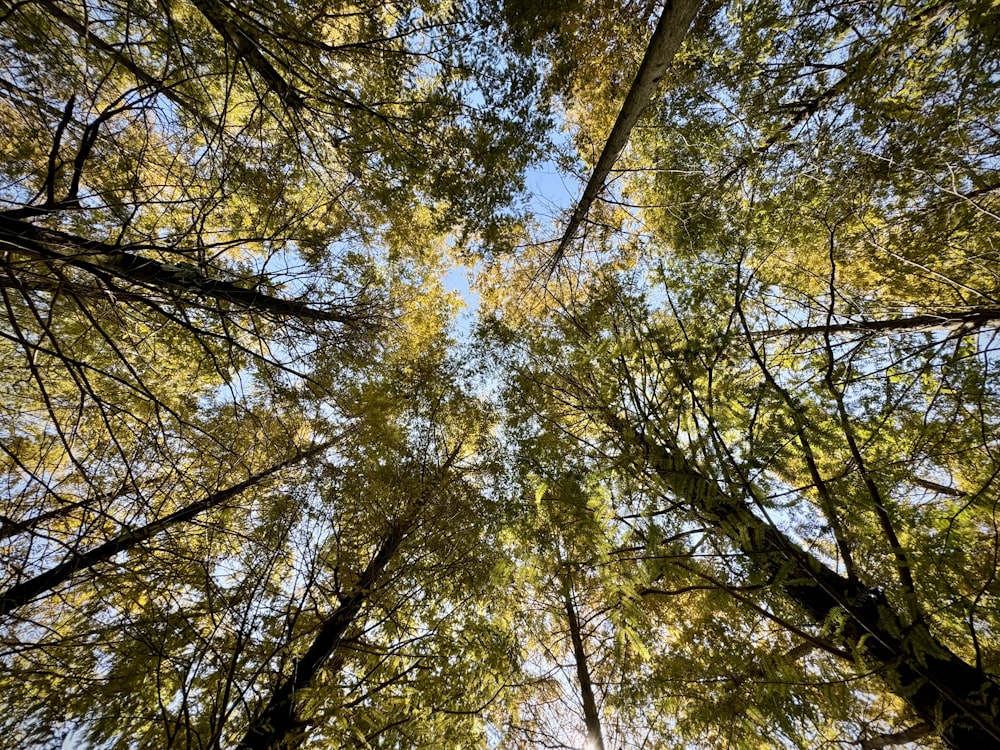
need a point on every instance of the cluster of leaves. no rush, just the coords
(719, 471)
(779, 333)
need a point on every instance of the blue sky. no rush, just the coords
(551, 193)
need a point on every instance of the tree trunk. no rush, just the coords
(595, 738)
(22, 593)
(957, 323)
(676, 19)
(107, 262)
(279, 726)
(960, 701)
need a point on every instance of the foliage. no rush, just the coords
(720, 472)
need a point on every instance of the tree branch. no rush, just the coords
(914, 733)
(101, 259)
(22, 593)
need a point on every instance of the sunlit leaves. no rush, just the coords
(725, 476)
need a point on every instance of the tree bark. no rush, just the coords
(227, 23)
(106, 261)
(676, 19)
(279, 726)
(22, 593)
(904, 737)
(961, 702)
(595, 738)
(944, 321)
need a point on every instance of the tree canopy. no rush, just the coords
(327, 422)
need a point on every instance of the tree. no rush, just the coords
(216, 227)
(714, 466)
(667, 37)
(835, 218)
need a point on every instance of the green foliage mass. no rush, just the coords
(724, 474)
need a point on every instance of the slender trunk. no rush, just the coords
(945, 321)
(595, 738)
(22, 593)
(280, 725)
(676, 19)
(108, 262)
(959, 700)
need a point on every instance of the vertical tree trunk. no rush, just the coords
(595, 738)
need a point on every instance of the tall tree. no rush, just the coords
(769, 194)
(220, 230)
(726, 479)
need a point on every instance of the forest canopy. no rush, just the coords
(499, 374)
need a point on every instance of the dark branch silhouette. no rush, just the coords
(226, 21)
(944, 321)
(279, 725)
(24, 592)
(856, 69)
(106, 261)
